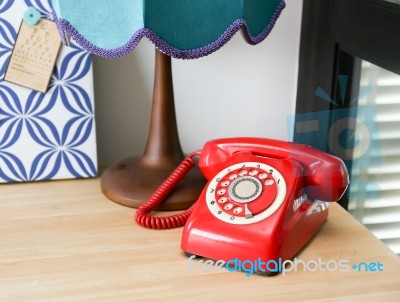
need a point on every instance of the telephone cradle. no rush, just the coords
(264, 199)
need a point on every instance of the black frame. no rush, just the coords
(335, 36)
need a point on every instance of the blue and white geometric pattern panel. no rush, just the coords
(51, 135)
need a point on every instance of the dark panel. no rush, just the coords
(317, 54)
(370, 29)
(335, 36)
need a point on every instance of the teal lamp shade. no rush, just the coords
(181, 29)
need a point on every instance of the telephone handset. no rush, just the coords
(264, 198)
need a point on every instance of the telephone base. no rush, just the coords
(132, 181)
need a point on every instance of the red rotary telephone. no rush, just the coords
(264, 199)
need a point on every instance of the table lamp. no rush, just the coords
(181, 29)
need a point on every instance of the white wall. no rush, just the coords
(241, 90)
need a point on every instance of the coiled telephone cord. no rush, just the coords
(143, 216)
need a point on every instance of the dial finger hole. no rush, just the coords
(225, 183)
(253, 172)
(233, 176)
(263, 176)
(269, 182)
(222, 199)
(242, 172)
(237, 210)
(228, 206)
(221, 191)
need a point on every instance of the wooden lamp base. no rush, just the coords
(132, 181)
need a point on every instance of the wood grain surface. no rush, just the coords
(64, 241)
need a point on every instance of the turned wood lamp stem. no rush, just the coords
(163, 140)
(133, 180)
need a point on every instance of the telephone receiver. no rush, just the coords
(264, 198)
(325, 176)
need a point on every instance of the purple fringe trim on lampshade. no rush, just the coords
(65, 27)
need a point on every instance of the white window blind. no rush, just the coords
(375, 190)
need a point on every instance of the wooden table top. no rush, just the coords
(64, 241)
